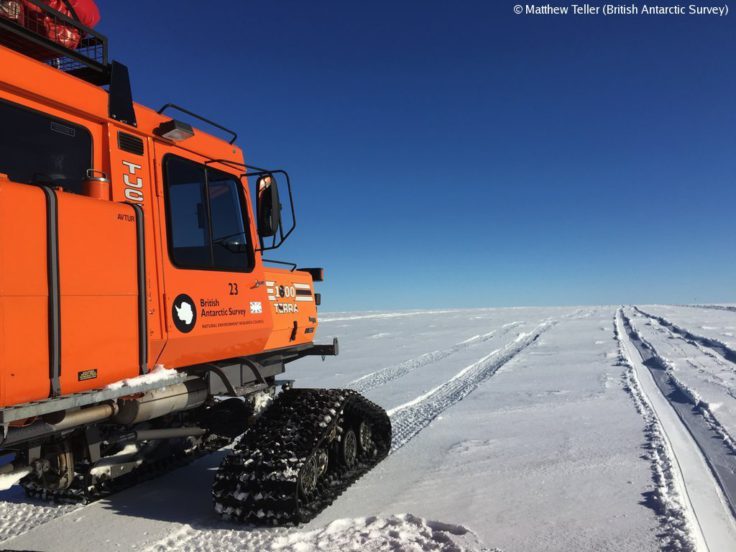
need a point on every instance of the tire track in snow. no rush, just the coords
(699, 406)
(712, 307)
(714, 442)
(680, 346)
(20, 514)
(680, 392)
(390, 373)
(713, 344)
(666, 500)
(409, 419)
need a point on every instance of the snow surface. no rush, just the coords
(515, 429)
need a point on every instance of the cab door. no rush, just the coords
(214, 295)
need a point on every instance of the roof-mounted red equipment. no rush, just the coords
(59, 33)
(83, 11)
(33, 15)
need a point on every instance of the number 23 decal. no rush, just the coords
(233, 288)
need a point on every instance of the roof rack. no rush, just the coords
(75, 48)
(63, 42)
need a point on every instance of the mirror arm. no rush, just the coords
(292, 265)
(256, 172)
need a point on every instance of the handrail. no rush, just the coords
(192, 114)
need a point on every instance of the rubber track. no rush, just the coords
(260, 481)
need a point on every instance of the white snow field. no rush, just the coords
(524, 429)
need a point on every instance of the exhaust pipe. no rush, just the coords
(152, 404)
(160, 402)
(66, 420)
(160, 434)
(173, 433)
(60, 421)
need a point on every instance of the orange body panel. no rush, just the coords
(237, 313)
(24, 348)
(99, 292)
(290, 304)
(121, 165)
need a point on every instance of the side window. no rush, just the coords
(188, 231)
(228, 229)
(36, 148)
(207, 229)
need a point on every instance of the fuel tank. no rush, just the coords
(69, 297)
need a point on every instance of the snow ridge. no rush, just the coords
(698, 340)
(390, 373)
(410, 418)
(371, 534)
(343, 317)
(712, 378)
(665, 499)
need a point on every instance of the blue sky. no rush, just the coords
(453, 154)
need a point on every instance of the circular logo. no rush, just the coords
(184, 313)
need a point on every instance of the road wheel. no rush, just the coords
(349, 448)
(313, 470)
(365, 437)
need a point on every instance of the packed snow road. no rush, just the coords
(514, 429)
(702, 481)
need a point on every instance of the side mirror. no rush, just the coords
(268, 206)
(274, 223)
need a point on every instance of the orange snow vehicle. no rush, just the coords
(140, 324)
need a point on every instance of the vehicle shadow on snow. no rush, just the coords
(181, 496)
